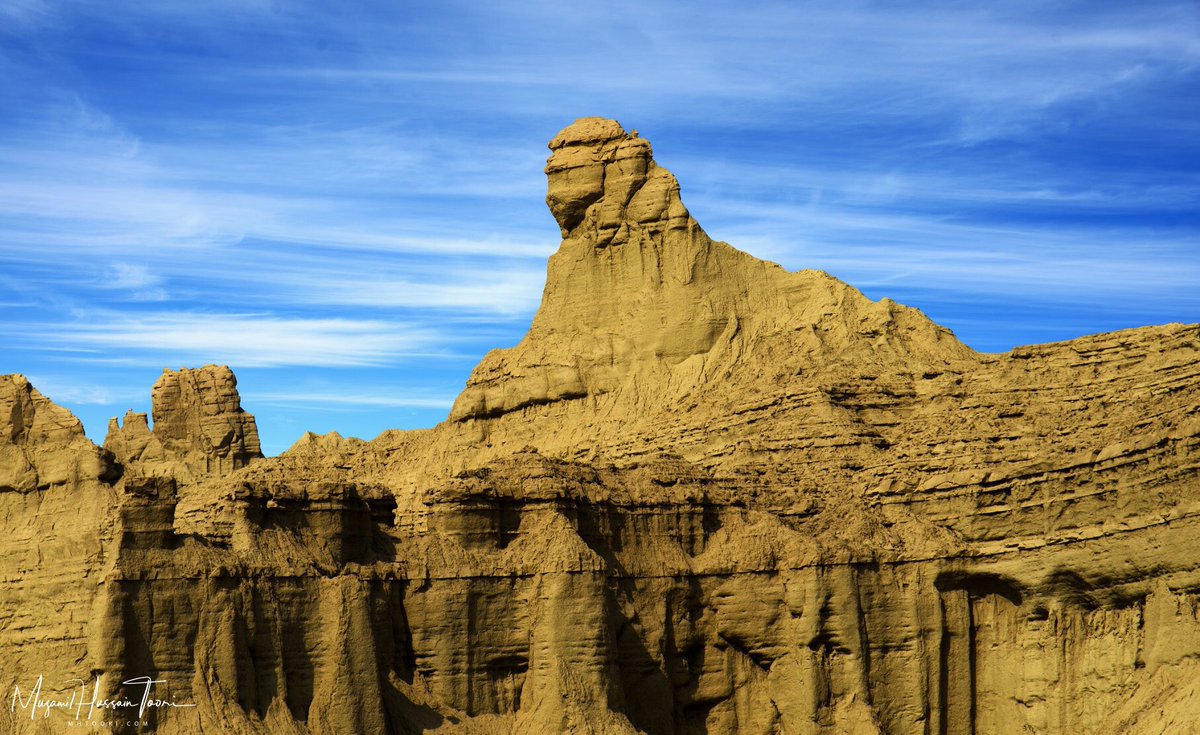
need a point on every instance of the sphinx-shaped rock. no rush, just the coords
(703, 495)
(639, 295)
(199, 427)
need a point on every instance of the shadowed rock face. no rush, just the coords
(703, 495)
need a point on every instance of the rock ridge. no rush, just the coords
(703, 495)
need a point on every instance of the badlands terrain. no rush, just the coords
(702, 495)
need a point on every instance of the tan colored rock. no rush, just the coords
(42, 444)
(643, 314)
(703, 495)
(57, 504)
(198, 414)
(199, 429)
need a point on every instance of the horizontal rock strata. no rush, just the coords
(702, 495)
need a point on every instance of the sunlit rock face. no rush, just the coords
(199, 429)
(703, 495)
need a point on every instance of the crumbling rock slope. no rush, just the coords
(702, 495)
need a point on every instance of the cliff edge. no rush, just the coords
(702, 495)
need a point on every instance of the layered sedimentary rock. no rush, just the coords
(199, 429)
(42, 445)
(638, 297)
(703, 495)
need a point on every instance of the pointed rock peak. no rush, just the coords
(133, 422)
(313, 441)
(132, 443)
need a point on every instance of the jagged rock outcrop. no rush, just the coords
(703, 495)
(42, 444)
(199, 430)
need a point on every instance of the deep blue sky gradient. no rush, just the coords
(344, 201)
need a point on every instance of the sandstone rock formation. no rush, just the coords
(199, 430)
(42, 445)
(703, 495)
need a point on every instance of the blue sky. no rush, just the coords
(344, 201)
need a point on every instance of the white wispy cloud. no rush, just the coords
(500, 291)
(85, 191)
(947, 255)
(906, 187)
(72, 390)
(989, 71)
(22, 14)
(350, 398)
(353, 186)
(134, 281)
(245, 340)
(133, 276)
